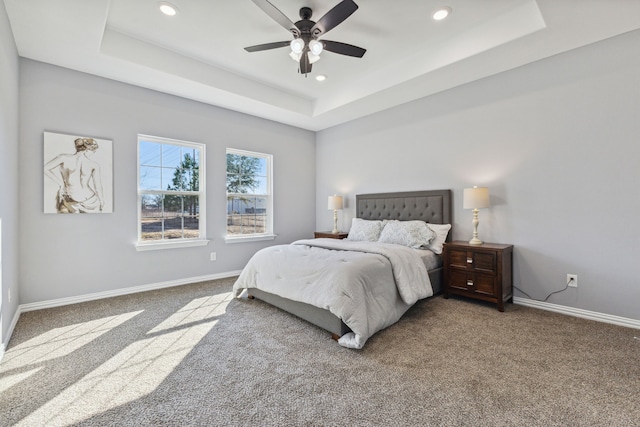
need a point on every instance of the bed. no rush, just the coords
(314, 294)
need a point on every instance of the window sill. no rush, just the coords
(252, 238)
(152, 246)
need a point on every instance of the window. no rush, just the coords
(249, 196)
(171, 201)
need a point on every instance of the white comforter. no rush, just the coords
(368, 285)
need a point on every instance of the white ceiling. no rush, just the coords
(199, 53)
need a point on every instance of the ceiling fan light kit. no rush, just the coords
(315, 47)
(305, 46)
(297, 45)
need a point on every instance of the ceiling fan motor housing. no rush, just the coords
(305, 13)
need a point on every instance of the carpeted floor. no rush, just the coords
(192, 355)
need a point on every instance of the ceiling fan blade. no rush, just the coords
(277, 16)
(266, 46)
(334, 17)
(305, 65)
(343, 48)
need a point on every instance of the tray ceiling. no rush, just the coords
(199, 54)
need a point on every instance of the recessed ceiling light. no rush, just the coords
(321, 77)
(168, 9)
(441, 13)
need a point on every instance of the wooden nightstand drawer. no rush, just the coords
(459, 259)
(329, 235)
(484, 262)
(472, 283)
(485, 285)
(482, 272)
(458, 280)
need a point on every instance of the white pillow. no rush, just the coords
(441, 231)
(414, 234)
(364, 230)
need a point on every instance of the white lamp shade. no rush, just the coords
(335, 203)
(475, 198)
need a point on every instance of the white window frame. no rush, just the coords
(146, 245)
(269, 233)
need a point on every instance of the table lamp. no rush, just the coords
(475, 198)
(335, 204)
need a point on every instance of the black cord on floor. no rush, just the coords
(547, 297)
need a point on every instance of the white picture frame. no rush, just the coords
(78, 174)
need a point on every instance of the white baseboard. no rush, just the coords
(578, 312)
(5, 343)
(123, 291)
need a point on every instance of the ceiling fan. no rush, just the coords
(305, 46)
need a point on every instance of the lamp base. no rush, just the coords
(475, 240)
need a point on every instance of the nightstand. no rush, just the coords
(483, 272)
(330, 235)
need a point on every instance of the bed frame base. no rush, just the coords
(318, 316)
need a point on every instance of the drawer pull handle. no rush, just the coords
(469, 260)
(469, 282)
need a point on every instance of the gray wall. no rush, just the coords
(8, 176)
(70, 255)
(557, 143)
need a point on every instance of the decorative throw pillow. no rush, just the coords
(441, 231)
(364, 230)
(414, 234)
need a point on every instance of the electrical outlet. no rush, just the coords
(572, 280)
(212, 257)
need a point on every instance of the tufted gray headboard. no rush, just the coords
(432, 206)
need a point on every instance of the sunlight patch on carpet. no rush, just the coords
(9, 381)
(136, 370)
(59, 342)
(197, 310)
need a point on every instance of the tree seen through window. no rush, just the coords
(248, 193)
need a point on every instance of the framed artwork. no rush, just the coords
(78, 174)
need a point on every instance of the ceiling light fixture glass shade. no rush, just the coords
(316, 47)
(297, 45)
(168, 9)
(312, 58)
(295, 56)
(441, 13)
